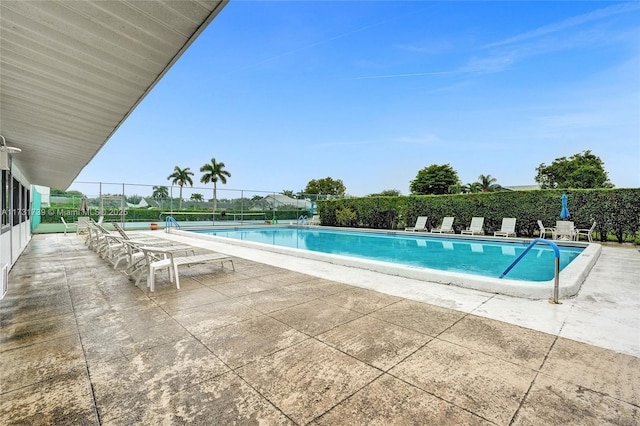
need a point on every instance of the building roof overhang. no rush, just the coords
(72, 72)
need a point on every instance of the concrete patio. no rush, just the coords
(283, 344)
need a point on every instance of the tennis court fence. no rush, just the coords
(122, 202)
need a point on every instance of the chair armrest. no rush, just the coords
(156, 253)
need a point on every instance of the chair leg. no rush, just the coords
(175, 272)
(151, 279)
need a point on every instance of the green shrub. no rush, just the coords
(616, 211)
(346, 217)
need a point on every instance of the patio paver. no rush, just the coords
(81, 344)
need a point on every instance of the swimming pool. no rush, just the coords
(470, 262)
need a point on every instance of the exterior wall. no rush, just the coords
(15, 227)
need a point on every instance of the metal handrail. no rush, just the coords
(556, 251)
(169, 221)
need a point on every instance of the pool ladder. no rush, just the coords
(303, 219)
(169, 221)
(556, 251)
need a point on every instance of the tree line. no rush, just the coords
(580, 171)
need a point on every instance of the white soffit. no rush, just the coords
(72, 71)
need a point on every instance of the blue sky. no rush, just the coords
(372, 92)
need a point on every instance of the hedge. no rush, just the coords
(616, 211)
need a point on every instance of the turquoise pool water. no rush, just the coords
(470, 256)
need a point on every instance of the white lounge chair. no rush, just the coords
(67, 226)
(315, 220)
(133, 236)
(420, 226)
(94, 235)
(83, 224)
(101, 240)
(158, 259)
(507, 229)
(134, 256)
(564, 230)
(475, 228)
(544, 230)
(446, 227)
(586, 232)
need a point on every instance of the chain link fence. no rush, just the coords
(126, 202)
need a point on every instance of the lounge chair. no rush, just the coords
(446, 227)
(586, 232)
(544, 230)
(107, 244)
(95, 234)
(134, 256)
(315, 220)
(475, 228)
(157, 259)
(508, 227)
(420, 226)
(83, 224)
(131, 248)
(135, 236)
(67, 226)
(102, 241)
(564, 230)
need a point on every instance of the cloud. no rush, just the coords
(501, 55)
(490, 64)
(568, 23)
(413, 74)
(430, 47)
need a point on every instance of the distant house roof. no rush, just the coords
(142, 204)
(522, 188)
(279, 200)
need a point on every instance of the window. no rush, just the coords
(5, 197)
(27, 203)
(15, 207)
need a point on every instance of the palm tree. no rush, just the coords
(160, 193)
(213, 172)
(487, 183)
(197, 198)
(181, 177)
(474, 187)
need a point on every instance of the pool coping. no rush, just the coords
(570, 281)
